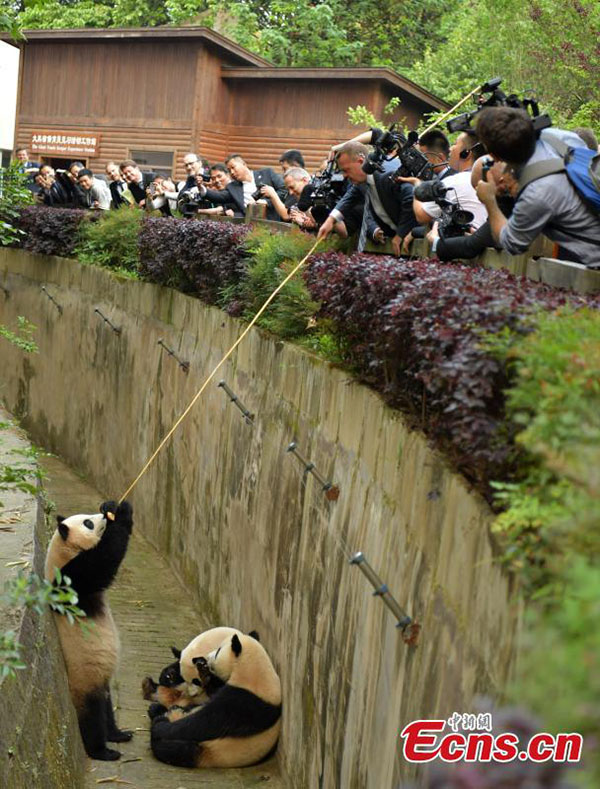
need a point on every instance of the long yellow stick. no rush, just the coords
(224, 359)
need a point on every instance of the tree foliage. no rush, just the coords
(550, 46)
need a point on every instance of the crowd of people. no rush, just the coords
(510, 181)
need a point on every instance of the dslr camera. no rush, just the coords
(490, 95)
(455, 221)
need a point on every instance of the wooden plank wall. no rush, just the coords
(165, 95)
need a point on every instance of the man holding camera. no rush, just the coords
(388, 208)
(246, 187)
(546, 203)
(463, 153)
(94, 193)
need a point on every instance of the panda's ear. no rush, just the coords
(63, 529)
(236, 645)
(176, 652)
(254, 634)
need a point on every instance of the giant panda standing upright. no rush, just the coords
(89, 549)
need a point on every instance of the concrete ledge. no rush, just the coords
(40, 746)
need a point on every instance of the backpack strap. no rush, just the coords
(547, 166)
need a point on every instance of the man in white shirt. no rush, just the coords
(463, 153)
(95, 193)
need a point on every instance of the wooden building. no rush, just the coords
(154, 94)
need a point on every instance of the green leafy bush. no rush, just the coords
(551, 511)
(112, 241)
(272, 257)
(14, 196)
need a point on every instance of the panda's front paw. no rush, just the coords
(108, 506)
(155, 710)
(149, 687)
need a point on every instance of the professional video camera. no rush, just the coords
(189, 202)
(455, 221)
(497, 98)
(412, 161)
(323, 192)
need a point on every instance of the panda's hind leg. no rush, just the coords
(93, 727)
(113, 733)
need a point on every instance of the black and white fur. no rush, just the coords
(89, 550)
(240, 723)
(178, 683)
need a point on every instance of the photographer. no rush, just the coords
(548, 202)
(388, 202)
(468, 246)
(245, 187)
(291, 158)
(54, 190)
(434, 144)
(137, 182)
(94, 193)
(463, 153)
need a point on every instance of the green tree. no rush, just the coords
(549, 46)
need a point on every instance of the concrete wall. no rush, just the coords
(259, 545)
(40, 746)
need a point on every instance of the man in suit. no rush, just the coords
(116, 184)
(137, 181)
(389, 212)
(244, 187)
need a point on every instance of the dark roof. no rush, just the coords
(140, 33)
(380, 73)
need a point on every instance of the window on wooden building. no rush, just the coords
(159, 162)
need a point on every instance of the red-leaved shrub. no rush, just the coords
(416, 330)
(200, 257)
(52, 231)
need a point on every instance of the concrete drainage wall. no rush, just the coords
(40, 744)
(256, 542)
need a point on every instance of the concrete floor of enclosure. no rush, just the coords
(152, 613)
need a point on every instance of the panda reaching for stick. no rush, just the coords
(89, 550)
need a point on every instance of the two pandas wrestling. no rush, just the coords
(217, 705)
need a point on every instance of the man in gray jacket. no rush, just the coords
(549, 204)
(94, 192)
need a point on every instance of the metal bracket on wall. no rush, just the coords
(106, 320)
(52, 299)
(185, 366)
(410, 629)
(248, 416)
(331, 491)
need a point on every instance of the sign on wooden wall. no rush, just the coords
(58, 142)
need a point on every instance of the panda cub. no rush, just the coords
(178, 683)
(240, 723)
(89, 549)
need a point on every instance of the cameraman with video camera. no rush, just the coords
(546, 200)
(388, 202)
(463, 153)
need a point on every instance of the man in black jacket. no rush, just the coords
(245, 186)
(137, 181)
(388, 207)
